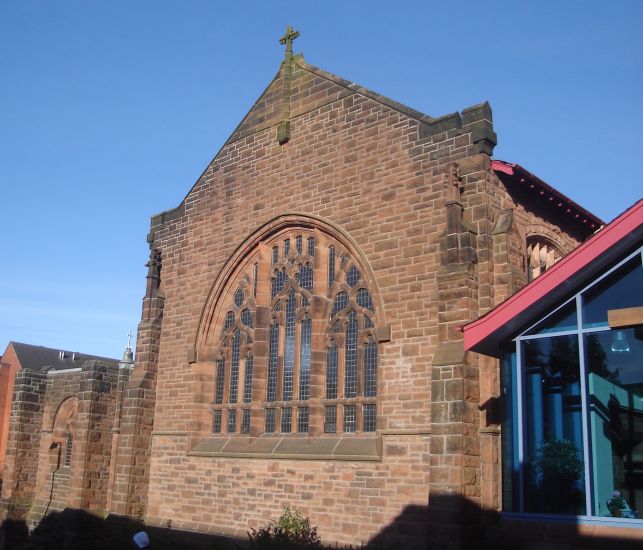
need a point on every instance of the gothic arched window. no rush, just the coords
(296, 350)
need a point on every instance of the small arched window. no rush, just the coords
(541, 255)
(297, 350)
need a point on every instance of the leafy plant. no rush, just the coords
(560, 470)
(291, 531)
(616, 503)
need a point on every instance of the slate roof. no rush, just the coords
(38, 357)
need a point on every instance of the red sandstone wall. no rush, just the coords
(379, 174)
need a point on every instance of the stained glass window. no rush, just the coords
(286, 322)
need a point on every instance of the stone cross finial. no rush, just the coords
(129, 339)
(288, 39)
(283, 129)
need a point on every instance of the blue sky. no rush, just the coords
(110, 111)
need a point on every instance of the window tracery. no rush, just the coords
(297, 345)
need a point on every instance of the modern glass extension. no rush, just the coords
(573, 402)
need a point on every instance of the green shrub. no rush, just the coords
(291, 531)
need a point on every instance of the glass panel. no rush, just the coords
(302, 420)
(616, 419)
(246, 318)
(554, 467)
(352, 276)
(238, 297)
(509, 440)
(275, 254)
(254, 280)
(305, 278)
(289, 349)
(311, 246)
(270, 421)
(298, 243)
(331, 373)
(216, 422)
(364, 299)
(286, 421)
(370, 418)
(229, 320)
(245, 421)
(350, 367)
(271, 394)
(234, 367)
(331, 266)
(232, 421)
(304, 360)
(341, 301)
(247, 384)
(330, 419)
(370, 368)
(562, 320)
(621, 289)
(286, 247)
(278, 282)
(218, 392)
(349, 418)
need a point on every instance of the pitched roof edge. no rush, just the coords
(354, 87)
(523, 174)
(447, 121)
(477, 331)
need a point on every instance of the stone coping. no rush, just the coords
(290, 447)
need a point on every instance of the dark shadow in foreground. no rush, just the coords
(449, 522)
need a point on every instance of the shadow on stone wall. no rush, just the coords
(450, 522)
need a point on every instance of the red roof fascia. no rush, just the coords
(558, 199)
(566, 268)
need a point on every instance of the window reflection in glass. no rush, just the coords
(554, 471)
(621, 289)
(615, 383)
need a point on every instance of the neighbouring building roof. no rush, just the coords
(518, 179)
(502, 323)
(37, 357)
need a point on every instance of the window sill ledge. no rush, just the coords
(290, 447)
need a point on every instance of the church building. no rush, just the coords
(301, 337)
